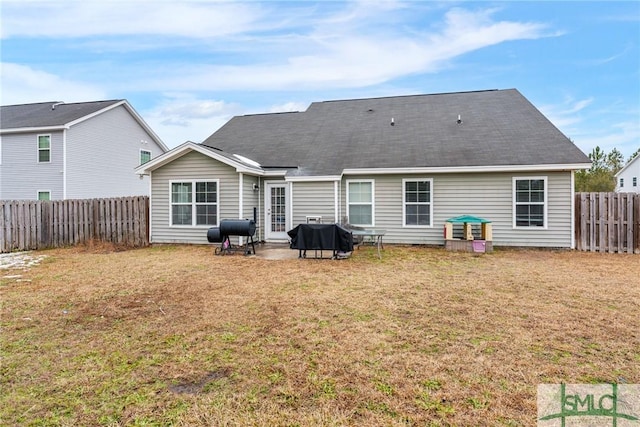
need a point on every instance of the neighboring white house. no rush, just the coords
(54, 150)
(627, 177)
(404, 164)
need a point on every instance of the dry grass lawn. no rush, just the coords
(173, 335)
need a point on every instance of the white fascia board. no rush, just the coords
(34, 129)
(632, 161)
(324, 178)
(186, 148)
(275, 173)
(467, 169)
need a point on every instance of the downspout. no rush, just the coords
(573, 211)
(240, 200)
(259, 219)
(335, 202)
(64, 164)
(289, 226)
(150, 224)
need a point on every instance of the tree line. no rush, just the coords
(604, 166)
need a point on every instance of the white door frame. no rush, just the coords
(269, 234)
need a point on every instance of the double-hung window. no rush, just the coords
(634, 181)
(417, 202)
(621, 182)
(360, 206)
(530, 202)
(44, 148)
(194, 203)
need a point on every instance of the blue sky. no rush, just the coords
(189, 66)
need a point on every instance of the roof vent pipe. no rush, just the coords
(459, 119)
(392, 122)
(53, 107)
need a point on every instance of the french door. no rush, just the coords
(276, 211)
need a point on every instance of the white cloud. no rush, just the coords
(180, 117)
(78, 18)
(589, 126)
(348, 56)
(21, 84)
(245, 46)
(288, 107)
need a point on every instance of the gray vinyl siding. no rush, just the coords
(102, 153)
(485, 195)
(190, 167)
(21, 175)
(313, 199)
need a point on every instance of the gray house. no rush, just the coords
(54, 150)
(403, 164)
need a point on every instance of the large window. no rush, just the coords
(417, 202)
(145, 156)
(360, 202)
(44, 148)
(529, 201)
(194, 203)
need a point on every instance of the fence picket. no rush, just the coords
(28, 225)
(609, 222)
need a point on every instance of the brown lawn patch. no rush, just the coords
(173, 335)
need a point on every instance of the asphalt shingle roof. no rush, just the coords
(43, 114)
(498, 127)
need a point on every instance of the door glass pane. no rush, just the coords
(278, 210)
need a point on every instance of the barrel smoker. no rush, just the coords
(229, 228)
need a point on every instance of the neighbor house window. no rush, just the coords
(360, 202)
(44, 195)
(194, 203)
(621, 182)
(529, 201)
(417, 202)
(44, 148)
(145, 156)
(634, 181)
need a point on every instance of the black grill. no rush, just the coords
(229, 228)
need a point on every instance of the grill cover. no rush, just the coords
(330, 237)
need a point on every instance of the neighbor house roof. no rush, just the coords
(492, 128)
(55, 115)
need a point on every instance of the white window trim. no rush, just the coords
(42, 191)
(373, 200)
(38, 147)
(545, 204)
(140, 155)
(404, 202)
(193, 203)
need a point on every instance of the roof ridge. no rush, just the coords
(63, 103)
(410, 96)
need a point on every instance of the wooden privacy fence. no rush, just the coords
(607, 222)
(27, 225)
